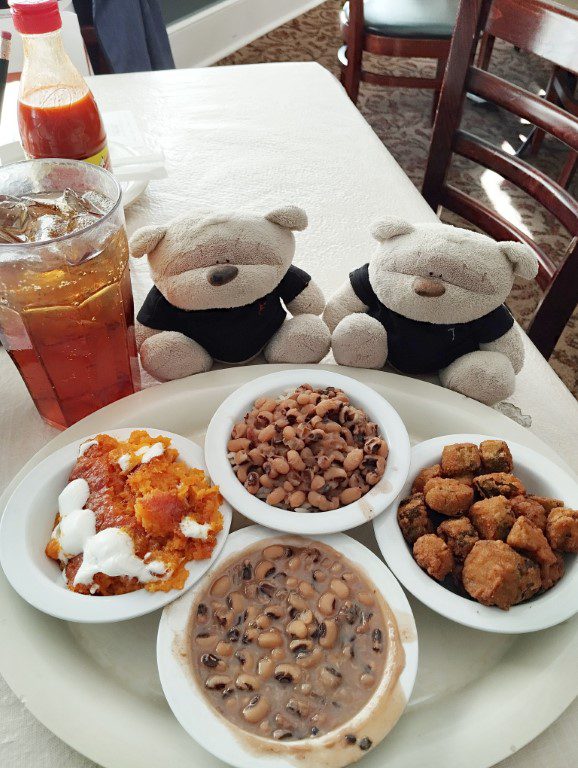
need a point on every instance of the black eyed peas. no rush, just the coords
(309, 451)
(288, 640)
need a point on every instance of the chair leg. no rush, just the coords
(486, 48)
(550, 95)
(351, 75)
(567, 172)
(557, 306)
(440, 69)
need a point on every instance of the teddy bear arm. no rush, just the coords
(143, 332)
(344, 302)
(511, 345)
(309, 302)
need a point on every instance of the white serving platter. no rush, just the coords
(478, 697)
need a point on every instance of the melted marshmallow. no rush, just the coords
(146, 453)
(124, 462)
(111, 551)
(85, 446)
(73, 531)
(73, 497)
(193, 530)
(150, 452)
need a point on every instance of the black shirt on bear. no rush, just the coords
(417, 347)
(229, 335)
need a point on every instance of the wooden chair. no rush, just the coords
(402, 28)
(549, 30)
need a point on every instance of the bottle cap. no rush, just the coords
(35, 17)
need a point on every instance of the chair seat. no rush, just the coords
(421, 19)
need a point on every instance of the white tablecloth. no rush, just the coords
(256, 137)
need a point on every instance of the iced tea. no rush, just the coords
(66, 310)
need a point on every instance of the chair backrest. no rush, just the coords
(550, 30)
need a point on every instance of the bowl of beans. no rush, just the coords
(485, 532)
(307, 451)
(293, 649)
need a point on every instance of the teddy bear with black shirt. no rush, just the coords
(223, 284)
(431, 300)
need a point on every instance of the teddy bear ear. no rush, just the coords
(385, 229)
(145, 240)
(522, 258)
(289, 217)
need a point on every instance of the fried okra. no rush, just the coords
(499, 484)
(547, 503)
(496, 456)
(434, 556)
(448, 496)
(526, 507)
(460, 459)
(552, 573)
(426, 474)
(460, 536)
(413, 518)
(494, 574)
(492, 518)
(529, 539)
(562, 529)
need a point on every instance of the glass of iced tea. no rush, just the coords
(66, 310)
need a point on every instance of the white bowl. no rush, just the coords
(234, 408)
(541, 477)
(26, 526)
(235, 746)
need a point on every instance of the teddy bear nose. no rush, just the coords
(222, 275)
(426, 286)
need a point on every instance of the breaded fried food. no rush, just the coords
(562, 529)
(496, 456)
(547, 503)
(529, 508)
(413, 518)
(460, 536)
(528, 539)
(460, 458)
(448, 496)
(467, 478)
(492, 518)
(494, 574)
(552, 573)
(426, 474)
(434, 556)
(499, 484)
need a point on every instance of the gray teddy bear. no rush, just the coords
(431, 301)
(222, 283)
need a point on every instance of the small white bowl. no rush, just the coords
(234, 408)
(27, 524)
(235, 746)
(541, 477)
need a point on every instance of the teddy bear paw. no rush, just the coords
(301, 339)
(360, 341)
(171, 355)
(482, 375)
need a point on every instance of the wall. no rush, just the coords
(225, 26)
(173, 10)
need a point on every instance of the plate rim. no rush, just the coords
(379, 497)
(448, 604)
(558, 691)
(68, 605)
(170, 668)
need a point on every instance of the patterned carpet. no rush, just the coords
(400, 117)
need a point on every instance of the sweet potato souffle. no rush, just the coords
(132, 516)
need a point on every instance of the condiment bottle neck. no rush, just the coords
(47, 65)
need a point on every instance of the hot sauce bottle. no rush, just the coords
(57, 113)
